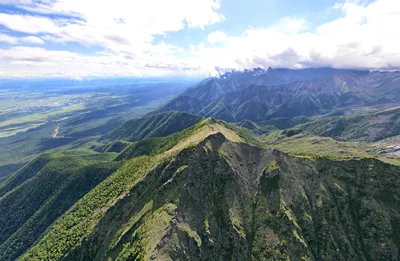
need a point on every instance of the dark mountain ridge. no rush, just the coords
(260, 96)
(211, 88)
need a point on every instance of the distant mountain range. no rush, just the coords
(259, 94)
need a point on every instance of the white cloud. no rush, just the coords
(16, 40)
(217, 36)
(8, 39)
(365, 36)
(124, 29)
(14, 2)
(112, 24)
(35, 61)
(31, 40)
(28, 24)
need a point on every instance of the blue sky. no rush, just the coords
(78, 38)
(241, 15)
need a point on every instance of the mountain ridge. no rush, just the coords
(208, 192)
(261, 209)
(256, 100)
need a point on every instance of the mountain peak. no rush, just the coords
(258, 71)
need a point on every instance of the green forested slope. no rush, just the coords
(221, 200)
(157, 125)
(207, 193)
(34, 197)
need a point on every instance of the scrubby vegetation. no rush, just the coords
(116, 146)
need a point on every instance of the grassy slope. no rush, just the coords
(367, 127)
(334, 137)
(313, 146)
(308, 145)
